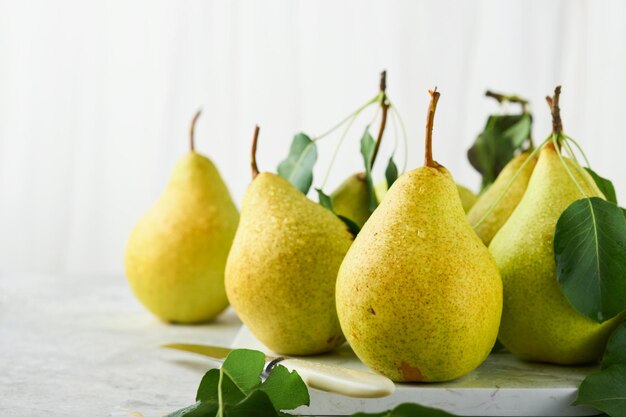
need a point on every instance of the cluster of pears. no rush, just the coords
(434, 276)
(538, 323)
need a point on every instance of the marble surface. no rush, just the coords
(83, 346)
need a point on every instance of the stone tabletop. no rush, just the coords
(83, 346)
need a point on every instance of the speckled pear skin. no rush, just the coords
(352, 199)
(419, 296)
(282, 268)
(468, 198)
(488, 228)
(538, 323)
(176, 254)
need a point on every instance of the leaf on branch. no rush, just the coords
(391, 173)
(298, 167)
(496, 145)
(327, 202)
(367, 151)
(604, 185)
(590, 254)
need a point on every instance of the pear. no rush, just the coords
(488, 214)
(352, 199)
(419, 296)
(538, 323)
(468, 198)
(176, 254)
(282, 267)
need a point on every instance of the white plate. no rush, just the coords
(502, 386)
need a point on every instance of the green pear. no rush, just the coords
(538, 323)
(352, 199)
(488, 214)
(419, 296)
(282, 267)
(468, 198)
(176, 254)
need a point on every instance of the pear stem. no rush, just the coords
(501, 98)
(430, 120)
(255, 138)
(553, 102)
(384, 107)
(192, 130)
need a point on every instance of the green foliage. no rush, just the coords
(298, 167)
(327, 202)
(604, 185)
(590, 254)
(408, 410)
(496, 145)
(367, 151)
(605, 391)
(391, 172)
(236, 389)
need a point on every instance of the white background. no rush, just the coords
(96, 97)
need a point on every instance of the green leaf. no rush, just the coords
(199, 409)
(590, 254)
(615, 352)
(208, 389)
(244, 367)
(408, 410)
(285, 389)
(519, 132)
(257, 403)
(391, 172)
(353, 228)
(367, 151)
(496, 145)
(605, 391)
(298, 167)
(326, 201)
(604, 185)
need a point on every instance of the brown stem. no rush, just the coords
(501, 98)
(255, 169)
(192, 130)
(553, 102)
(430, 120)
(385, 107)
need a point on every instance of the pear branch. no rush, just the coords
(255, 169)
(428, 158)
(385, 107)
(553, 102)
(192, 131)
(502, 98)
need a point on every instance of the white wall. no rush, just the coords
(96, 97)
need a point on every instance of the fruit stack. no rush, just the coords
(420, 289)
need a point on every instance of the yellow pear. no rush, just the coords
(176, 254)
(282, 267)
(419, 296)
(468, 198)
(497, 214)
(538, 323)
(352, 199)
